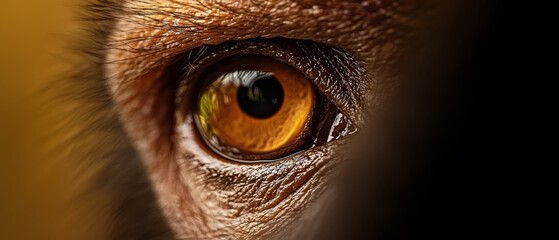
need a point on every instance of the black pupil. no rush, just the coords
(263, 99)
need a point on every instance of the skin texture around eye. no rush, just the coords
(200, 195)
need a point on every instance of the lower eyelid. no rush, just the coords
(188, 139)
(224, 174)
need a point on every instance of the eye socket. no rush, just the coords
(263, 100)
(256, 107)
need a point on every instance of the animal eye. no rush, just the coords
(254, 108)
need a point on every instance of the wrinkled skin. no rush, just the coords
(200, 195)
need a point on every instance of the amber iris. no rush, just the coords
(255, 106)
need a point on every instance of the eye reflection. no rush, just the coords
(256, 109)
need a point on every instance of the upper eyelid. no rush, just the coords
(341, 81)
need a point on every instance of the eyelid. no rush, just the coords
(333, 72)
